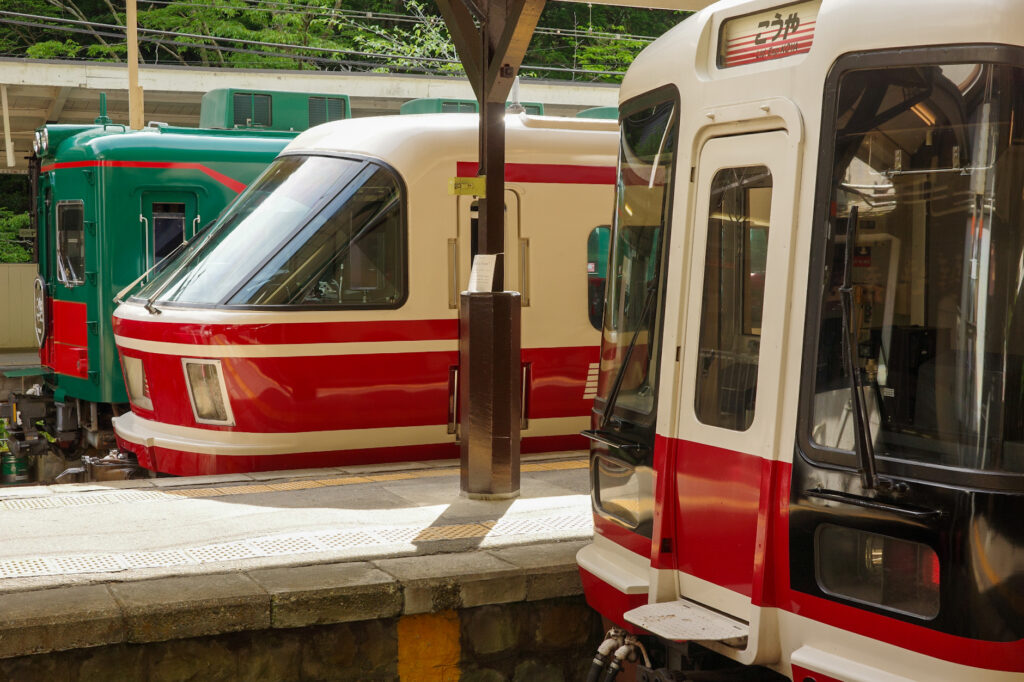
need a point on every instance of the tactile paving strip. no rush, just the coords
(345, 541)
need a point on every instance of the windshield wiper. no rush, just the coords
(600, 434)
(863, 444)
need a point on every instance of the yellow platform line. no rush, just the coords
(249, 489)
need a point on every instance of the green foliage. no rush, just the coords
(14, 193)
(14, 249)
(348, 35)
(427, 38)
(53, 49)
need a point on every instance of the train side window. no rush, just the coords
(70, 243)
(252, 109)
(324, 109)
(730, 329)
(597, 274)
(168, 228)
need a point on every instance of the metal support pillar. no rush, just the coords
(490, 373)
(491, 37)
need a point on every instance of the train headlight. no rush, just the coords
(40, 142)
(891, 573)
(207, 392)
(136, 382)
(622, 492)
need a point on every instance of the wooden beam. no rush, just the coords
(7, 127)
(692, 5)
(510, 45)
(60, 98)
(466, 37)
(136, 108)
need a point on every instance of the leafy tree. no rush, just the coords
(367, 35)
(14, 249)
(53, 49)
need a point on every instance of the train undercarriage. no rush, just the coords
(51, 441)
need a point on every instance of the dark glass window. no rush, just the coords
(351, 254)
(70, 242)
(630, 348)
(251, 109)
(929, 167)
(168, 228)
(454, 107)
(597, 274)
(734, 271)
(324, 109)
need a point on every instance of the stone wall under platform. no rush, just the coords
(514, 614)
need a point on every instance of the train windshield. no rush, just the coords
(932, 159)
(629, 356)
(312, 230)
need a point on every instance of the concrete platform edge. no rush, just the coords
(48, 620)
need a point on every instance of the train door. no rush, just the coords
(167, 219)
(727, 408)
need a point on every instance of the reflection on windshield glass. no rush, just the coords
(647, 151)
(933, 159)
(291, 191)
(351, 253)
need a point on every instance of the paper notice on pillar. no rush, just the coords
(481, 277)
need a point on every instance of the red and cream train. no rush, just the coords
(808, 441)
(316, 323)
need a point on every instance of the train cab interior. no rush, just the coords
(928, 168)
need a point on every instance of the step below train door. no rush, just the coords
(724, 449)
(461, 250)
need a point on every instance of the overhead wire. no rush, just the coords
(119, 33)
(304, 9)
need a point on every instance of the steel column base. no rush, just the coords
(490, 380)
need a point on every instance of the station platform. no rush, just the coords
(95, 564)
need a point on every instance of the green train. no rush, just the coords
(448, 105)
(109, 204)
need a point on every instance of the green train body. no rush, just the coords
(443, 105)
(270, 110)
(108, 204)
(600, 112)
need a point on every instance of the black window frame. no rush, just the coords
(663, 93)
(404, 232)
(822, 457)
(58, 251)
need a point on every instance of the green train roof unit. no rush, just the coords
(270, 110)
(444, 105)
(600, 112)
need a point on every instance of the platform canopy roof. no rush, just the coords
(692, 5)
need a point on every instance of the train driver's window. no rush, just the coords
(730, 329)
(351, 255)
(168, 227)
(597, 274)
(70, 243)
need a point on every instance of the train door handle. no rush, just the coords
(524, 272)
(195, 226)
(145, 240)
(524, 415)
(453, 274)
(453, 400)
